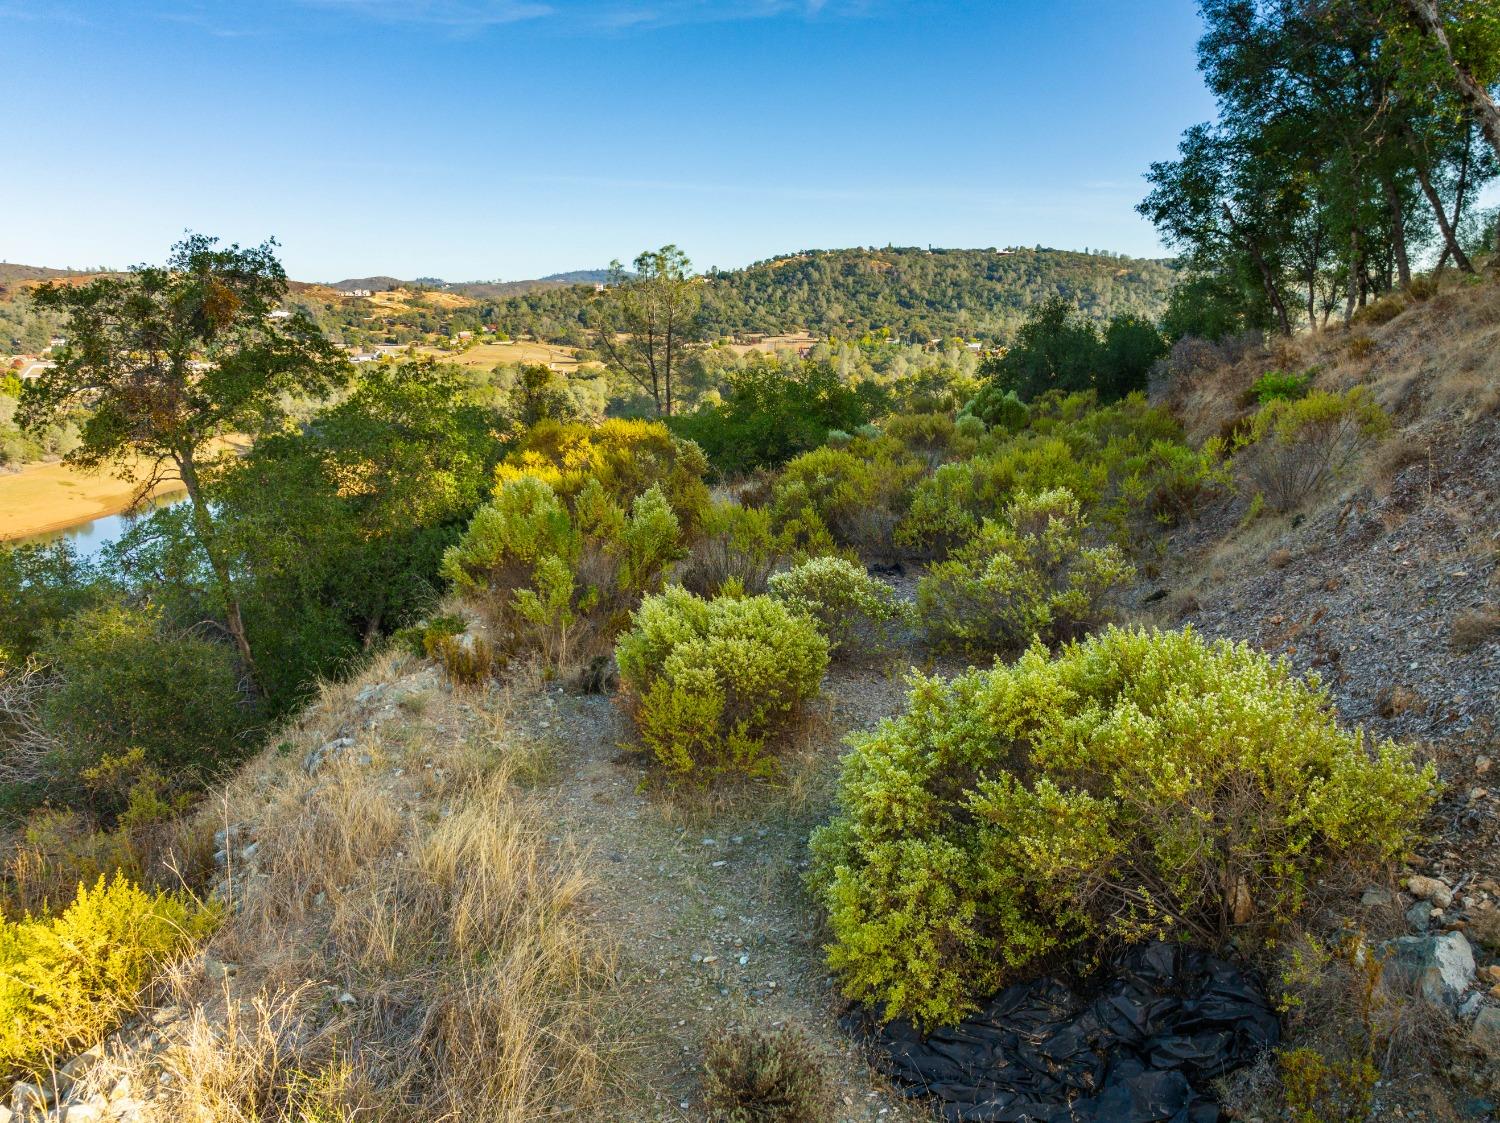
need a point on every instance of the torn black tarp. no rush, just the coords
(1140, 1051)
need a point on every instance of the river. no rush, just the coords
(89, 539)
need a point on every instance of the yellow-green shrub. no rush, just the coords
(1295, 447)
(858, 614)
(735, 543)
(627, 457)
(66, 980)
(931, 437)
(1028, 577)
(1141, 783)
(554, 580)
(851, 497)
(713, 684)
(948, 506)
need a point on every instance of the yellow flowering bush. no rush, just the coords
(714, 684)
(626, 457)
(66, 980)
(1139, 784)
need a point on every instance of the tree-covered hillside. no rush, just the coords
(915, 293)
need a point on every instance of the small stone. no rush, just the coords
(1484, 926)
(1439, 968)
(1375, 897)
(1419, 915)
(1430, 889)
(26, 1098)
(216, 969)
(1484, 1034)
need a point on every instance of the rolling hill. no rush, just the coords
(916, 293)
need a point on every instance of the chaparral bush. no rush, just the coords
(626, 457)
(1139, 784)
(998, 408)
(67, 979)
(857, 613)
(765, 1076)
(948, 506)
(121, 681)
(1277, 384)
(714, 684)
(556, 580)
(735, 543)
(1296, 446)
(1028, 577)
(851, 497)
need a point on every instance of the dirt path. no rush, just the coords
(713, 925)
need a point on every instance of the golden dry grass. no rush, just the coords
(483, 356)
(407, 943)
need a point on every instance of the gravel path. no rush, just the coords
(706, 903)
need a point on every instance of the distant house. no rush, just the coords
(356, 292)
(280, 314)
(466, 335)
(31, 368)
(363, 357)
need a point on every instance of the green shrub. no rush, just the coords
(714, 684)
(419, 639)
(1275, 385)
(556, 581)
(67, 980)
(1171, 482)
(772, 412)
(735, 544)
(1030, 577)
(948, 506)
(998, 408)
(765, 1076)
(970, 427)
(123, 682)
(851, 497)
(858, 614)
(1141, 783)
(930, 437)
(1294, 448)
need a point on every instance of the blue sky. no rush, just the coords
(475, 139)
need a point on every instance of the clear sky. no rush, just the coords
(479, 139)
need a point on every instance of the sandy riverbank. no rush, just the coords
(45, 497)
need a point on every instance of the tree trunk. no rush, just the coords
(1470, 89)
(1398, 233)
(1449, 235)
(203, 528)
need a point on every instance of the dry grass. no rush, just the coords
(407, 943)
(1472, 629)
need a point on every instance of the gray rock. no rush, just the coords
(27, 1098)
(1438, 968)
(1419, 915)
(1484, 1034)
(1374, 897)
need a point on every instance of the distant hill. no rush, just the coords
(11, 273)
(374, 284)
(916, 293)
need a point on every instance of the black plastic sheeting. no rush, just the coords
(1140, 1051)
